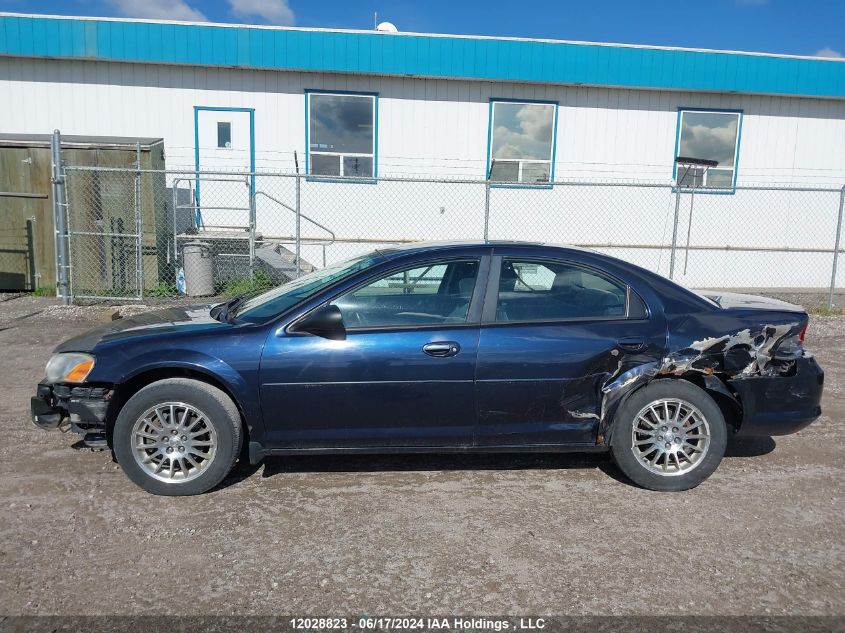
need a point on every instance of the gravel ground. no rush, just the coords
(558, 534)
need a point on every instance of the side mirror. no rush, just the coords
(326, 322)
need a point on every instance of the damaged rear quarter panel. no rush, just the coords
(722, 347)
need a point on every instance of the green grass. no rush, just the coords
(822, 310)
(163, 289)
(44, 291)
(245, 286)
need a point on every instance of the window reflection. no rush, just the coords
(341, 134)
(709, 136)
(522, 138)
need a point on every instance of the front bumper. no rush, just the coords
(83, 408)
(780, 405)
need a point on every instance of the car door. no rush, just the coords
(553, 331)
(403, 376)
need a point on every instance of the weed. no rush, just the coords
(163, 289)
(245, 286)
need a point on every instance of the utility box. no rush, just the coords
(105, 212)
(27, 259)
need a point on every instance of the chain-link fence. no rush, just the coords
(141, 233)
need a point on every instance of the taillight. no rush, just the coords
(791, 347)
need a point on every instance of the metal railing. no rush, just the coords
(297, 239)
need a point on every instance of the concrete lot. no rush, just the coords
(561, 534)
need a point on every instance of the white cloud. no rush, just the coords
(158, 10)
(522, 131)
(536, 122)
(712, 143)
(828, 52)
(272, 11)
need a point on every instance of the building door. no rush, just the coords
(225, 142)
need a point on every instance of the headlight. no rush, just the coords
(69, 367)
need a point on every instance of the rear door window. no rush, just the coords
(531, 290)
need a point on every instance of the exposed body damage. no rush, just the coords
(79, 409)
(723, 363)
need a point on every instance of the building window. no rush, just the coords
(224, 134)
(521, 142)
(710, 136)
(341, 135)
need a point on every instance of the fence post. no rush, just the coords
(298, 214)
(59, 219)
(487, 210)
(675, 230)
(139, 262)
(836, 247)
(298, 245)
(252, 221)
(487, 202)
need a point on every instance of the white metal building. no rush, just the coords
(370, 104)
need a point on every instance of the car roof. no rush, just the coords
(419, 247)
(676, 297)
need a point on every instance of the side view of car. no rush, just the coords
(499, 346)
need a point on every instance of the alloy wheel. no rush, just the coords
(173, 442)
(670, 437)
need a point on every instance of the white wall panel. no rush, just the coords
(426, 126)
(440, 128)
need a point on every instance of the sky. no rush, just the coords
(799, 27)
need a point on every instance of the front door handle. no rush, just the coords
(631, 344)
(442, 348)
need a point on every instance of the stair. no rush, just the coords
(279, 262)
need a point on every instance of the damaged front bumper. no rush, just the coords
(780, 404)
(80, 408)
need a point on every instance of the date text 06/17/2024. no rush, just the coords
(417, 623)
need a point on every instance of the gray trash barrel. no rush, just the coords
(199, 274)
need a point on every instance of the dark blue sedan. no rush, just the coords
(434, 348)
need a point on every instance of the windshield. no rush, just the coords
(275, 301)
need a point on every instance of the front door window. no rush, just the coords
(437, 293)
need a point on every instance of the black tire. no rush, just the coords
(220, 413)
(621, 440)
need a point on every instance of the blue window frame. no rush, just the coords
(341, 135)
(710, 134)
(521, 142)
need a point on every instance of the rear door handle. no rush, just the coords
(631, 344)
(442, 348)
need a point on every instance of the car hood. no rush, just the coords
(191, 318)
(728, 300)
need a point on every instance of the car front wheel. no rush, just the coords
(178, 437)
(669, 436)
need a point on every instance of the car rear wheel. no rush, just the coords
(178, 437)
(669, 435)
